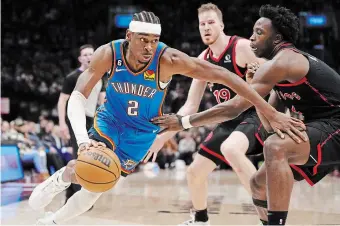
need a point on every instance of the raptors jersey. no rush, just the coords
(134, 98)
(227, 60)
(317, 95)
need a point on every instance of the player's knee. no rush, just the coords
(193, 175)
(274, 149)
(230, 152)
(255, 185)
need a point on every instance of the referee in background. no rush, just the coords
(96, 98)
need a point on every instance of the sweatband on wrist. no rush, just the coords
(76, 115)
(186, 122)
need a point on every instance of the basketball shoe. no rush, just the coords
(47, 220)
(192, 221)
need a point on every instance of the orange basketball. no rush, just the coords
(97, 169)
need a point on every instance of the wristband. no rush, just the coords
(186, 122)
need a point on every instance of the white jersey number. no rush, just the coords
(133, 108)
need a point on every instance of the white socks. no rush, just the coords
(79, 203)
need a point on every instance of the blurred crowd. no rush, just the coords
(40, 144)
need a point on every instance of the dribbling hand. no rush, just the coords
(86, 146)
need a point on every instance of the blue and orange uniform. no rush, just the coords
(132, 100)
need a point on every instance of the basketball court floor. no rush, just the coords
(145, 198)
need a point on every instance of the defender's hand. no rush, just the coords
(281, 123)
(170, 122)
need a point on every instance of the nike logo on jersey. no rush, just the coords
(118, 70)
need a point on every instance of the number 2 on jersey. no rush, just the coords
(133, 108)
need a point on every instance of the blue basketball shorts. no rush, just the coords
(129, 144)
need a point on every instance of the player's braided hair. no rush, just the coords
(283, 20)
(148, 17)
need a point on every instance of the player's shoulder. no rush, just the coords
(104, 52)
(203, 54)
(105, 47)
(286, 57)
(170, 54)
(242, 44)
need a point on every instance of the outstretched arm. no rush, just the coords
(177, 62)
(262, 84)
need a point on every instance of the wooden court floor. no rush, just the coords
(146, 199)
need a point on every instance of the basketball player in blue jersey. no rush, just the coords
(140, 69)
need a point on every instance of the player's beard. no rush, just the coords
(211, 40)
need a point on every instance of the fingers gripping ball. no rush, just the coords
(97, 169)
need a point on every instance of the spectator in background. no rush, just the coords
(54, 159)
(42, 122)
(58, 143)
(28, 151)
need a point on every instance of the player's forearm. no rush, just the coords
(246, 91)
(264, 121)
(217, 114)
(186, 109)
(76, 115)
(276, 103)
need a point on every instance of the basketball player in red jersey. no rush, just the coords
(305, 85)
(231, 140)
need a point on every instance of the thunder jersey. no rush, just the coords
(134, 98)
(317, 95)
(227, 60)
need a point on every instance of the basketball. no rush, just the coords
(98, 169)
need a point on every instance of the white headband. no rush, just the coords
(144, 27)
